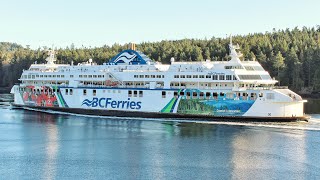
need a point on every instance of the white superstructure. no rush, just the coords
(131, 82)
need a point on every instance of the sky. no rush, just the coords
(94, 23)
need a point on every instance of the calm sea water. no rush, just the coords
(37, 145)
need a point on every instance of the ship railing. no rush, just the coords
(139, 70)
(114, 78)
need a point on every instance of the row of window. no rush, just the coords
(39, 91)
(136, 93)
(148, 76)
(91, 76)
(213, 77)
(60, 76)
(94, 91)
(43, 76)
(214, 94)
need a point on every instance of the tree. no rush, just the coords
(278, 64)
(293, 68)
(207, 53)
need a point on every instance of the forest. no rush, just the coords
(292, 56)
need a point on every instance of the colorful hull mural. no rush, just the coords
(185, 101)
(44, 96)
(220, 105)
(214, 107)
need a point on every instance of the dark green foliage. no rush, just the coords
(291, 56)
(194, 106)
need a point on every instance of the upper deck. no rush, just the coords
(132, 68)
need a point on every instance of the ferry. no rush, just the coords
(133, 85)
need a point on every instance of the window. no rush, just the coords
(153, 76)
(208, 95)
(129, 93)
(141, 76)
(158, 76)
(183, 76)
(71, 91)
(266, 77)
(260, 94)
(195, 76)
(234, 77)
(94, 92)
(53, 75)
(208, 76)
(188, 76)
(222, 94)
(80, 76)
(66, 91)
(188, 94)
(135, 76)
(135, 93)
(215, 77)
(221, 77)
(85, 76)
(147, 76)
(176, 76)
(249, 68)
(90, 76)
(229, 77)
(140, 93)
(163, 94)
(194, 95)
(233, 67)
(249, 77)
(84, 92)
(201, 76)
(175, 94)
(181, 93)
(95, 76)
(201, 95)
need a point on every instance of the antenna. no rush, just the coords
(51, 59)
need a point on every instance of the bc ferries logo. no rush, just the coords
(125, 57)
(109, 103)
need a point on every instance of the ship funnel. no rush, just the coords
(132, 46)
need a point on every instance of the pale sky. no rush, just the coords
(98, 22)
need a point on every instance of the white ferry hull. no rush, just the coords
(153, 104)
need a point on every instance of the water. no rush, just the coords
(37, 145)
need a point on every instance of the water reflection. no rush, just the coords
(268, 152)
(52, 147)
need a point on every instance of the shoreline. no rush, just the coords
(5, 90)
